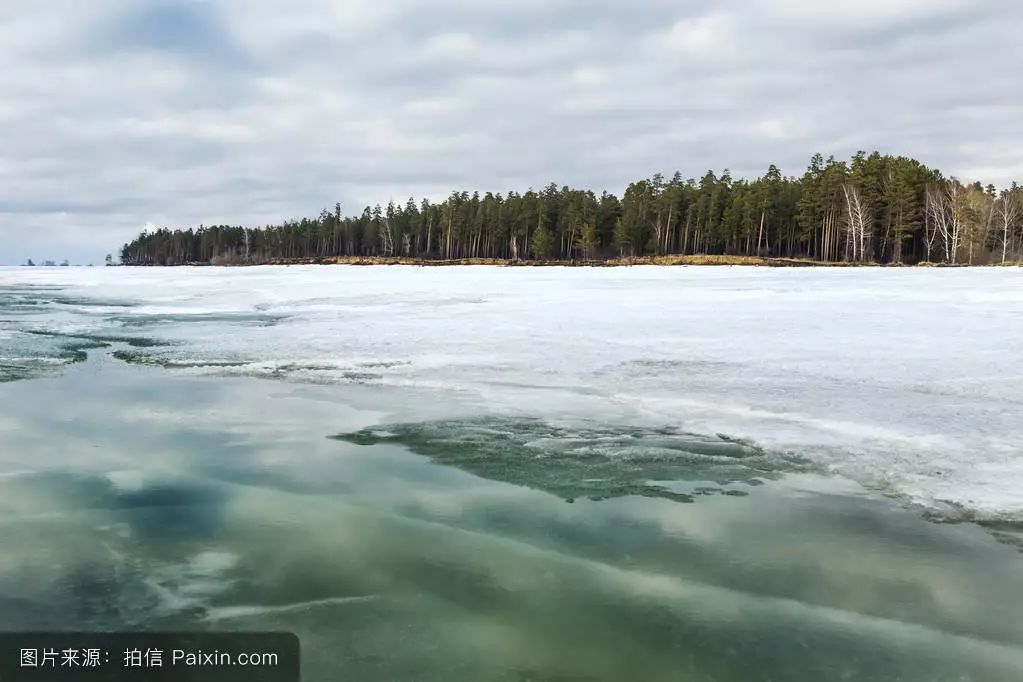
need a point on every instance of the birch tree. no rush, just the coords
(948, 208)
(936, 218)
(859, 220)
(1007, 214)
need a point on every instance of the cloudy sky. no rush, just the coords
(115, 114)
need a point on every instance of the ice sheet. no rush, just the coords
(908, 380)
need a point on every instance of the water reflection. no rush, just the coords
(208, 503)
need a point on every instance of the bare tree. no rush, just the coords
(948, 209)
(387, 237)
(1007, 212)
(859, 220)
(953, 233)
(935, 216)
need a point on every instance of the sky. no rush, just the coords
(121, 114)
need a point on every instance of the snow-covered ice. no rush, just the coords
(908, 380)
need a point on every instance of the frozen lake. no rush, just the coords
(382, 460)
(910, 381)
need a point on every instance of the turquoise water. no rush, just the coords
(158, 502)
(406, 531)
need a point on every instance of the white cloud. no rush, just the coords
(706, 36)
(589, 76)
(837, 12)
(771, 128)
(450, 46)
(283, 108)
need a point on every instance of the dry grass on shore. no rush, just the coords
(615, 262)
(756, 261)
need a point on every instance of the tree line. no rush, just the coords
(872, 208)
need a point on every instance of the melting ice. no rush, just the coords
(907, 380)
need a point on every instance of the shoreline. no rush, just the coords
(675, 260)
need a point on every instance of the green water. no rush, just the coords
(474, 549)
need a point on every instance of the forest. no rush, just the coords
(873, 208)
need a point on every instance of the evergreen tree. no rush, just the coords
(540, 245)
(876, 207)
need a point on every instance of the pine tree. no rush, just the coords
(587, 242)
(540, 244)
(875, 207)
